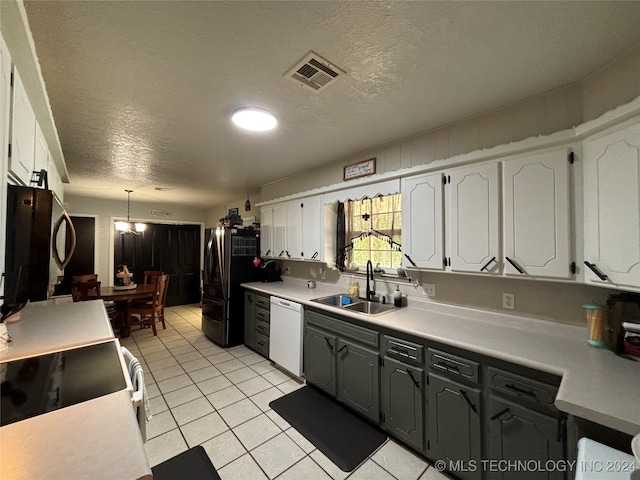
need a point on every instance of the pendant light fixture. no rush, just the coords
(126, 227)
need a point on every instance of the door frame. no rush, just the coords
(114, 219)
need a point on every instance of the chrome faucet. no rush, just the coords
(370, 292)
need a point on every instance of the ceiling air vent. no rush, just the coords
(314, 72)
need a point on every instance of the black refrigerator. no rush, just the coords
(31, 271)
(229, 253)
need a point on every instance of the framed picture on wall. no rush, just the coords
(233, 211)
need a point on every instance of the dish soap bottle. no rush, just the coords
(397, 297)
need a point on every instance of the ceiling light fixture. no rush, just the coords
(255, 119)
(125, 227)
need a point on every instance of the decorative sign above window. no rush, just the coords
(360, 169)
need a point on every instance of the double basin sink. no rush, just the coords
(358, 305)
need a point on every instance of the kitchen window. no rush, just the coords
(373, 229)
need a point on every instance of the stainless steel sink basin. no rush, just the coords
(370, 308)
(357, 305)
(337, 300)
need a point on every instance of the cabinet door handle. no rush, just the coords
(326, 339)
(500, 413)
(596, 270)
(342, 348)
(314, 256)
(514, 265)
(410, 261)
(522, 391)
(287, 252)
(464, 395)
(268, 252)
(487, 264)
(415, 382)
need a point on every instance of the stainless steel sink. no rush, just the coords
(337, 300)
(358, 305)
(370, 308)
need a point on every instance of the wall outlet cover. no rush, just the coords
(508, 301)
(429, 289)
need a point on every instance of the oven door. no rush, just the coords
(215, 320)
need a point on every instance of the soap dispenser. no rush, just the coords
(397, 297)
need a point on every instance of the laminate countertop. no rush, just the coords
(97, 438)
(596, 385)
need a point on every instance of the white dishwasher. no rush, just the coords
(285, 334)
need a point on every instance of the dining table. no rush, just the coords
(122, 297)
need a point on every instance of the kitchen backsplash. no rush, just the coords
(555, 301)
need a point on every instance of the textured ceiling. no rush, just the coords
(142, 91)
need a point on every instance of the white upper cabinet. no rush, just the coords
(473, 219)
(41, 152)
(612, 208)
(266, 231)
(23, 129)
(422, 222)
(312, 228)
(293, 244)
(279, 235)
(537, 239)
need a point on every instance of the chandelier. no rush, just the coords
(127, 227)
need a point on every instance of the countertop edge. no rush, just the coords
(570, 398)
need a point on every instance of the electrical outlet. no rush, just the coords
(321, 272)
(429, 289)
(286, 271)
(508, 301)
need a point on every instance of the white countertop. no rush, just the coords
(597, 385)
(54, 328)
(98, 438)
(83, 441)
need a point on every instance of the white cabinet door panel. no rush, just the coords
(612, 207)
(293, 244)
(279, 235)
(312, 224)
(266, 232)
(473, 219)
(22, 133)
(422, 221)
(536, 215)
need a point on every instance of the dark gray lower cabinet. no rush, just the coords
(319, 359)
(402, 402)
(357, 378)
(454, 426)
(249, 318)
(521, 434)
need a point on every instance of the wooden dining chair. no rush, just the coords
(80, 293)
(151, 276)
(150, 311)
(91, 277)
(80, 290)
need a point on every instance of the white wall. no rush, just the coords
(216, 213)
(106, 210)
(613, 85)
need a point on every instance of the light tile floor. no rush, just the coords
(202, 394)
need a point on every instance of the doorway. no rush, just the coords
(173, 249)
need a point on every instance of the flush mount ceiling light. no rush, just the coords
(255, 119)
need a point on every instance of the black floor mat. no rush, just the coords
(194, 464)
(341, 435)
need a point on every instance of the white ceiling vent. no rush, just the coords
(314, 72)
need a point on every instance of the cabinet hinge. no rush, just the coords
(11, 80)
(444, 179)
(9, 150)
(382, 417)
(302, 205)
(571, 157)
(381, 361)
(572, 267)
(428, 445)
